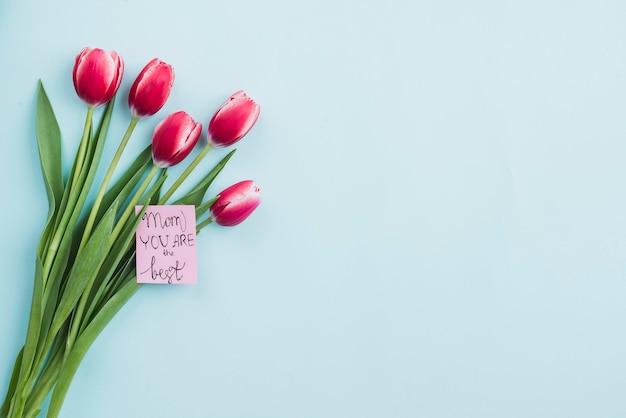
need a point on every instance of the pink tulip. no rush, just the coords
(236, 203)
(233, 120)
(174, 138)
(97, 75)
(151, 89)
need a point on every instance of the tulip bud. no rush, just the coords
(151, 89)
(236, 203)
(233, 120)
(97, 75)
(174, 138)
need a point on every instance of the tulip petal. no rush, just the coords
(151, 89)
(97, 75)
(236, 203)
(233, 120)
(174, 138)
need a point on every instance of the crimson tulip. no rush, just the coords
(151, 89)
(236, 203)
(174, 138)
(233, 120)
(97, 75)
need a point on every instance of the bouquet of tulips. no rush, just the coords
(85, 259)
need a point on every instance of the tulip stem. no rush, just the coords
(185, 174)
(82, 150)
(105, 182)
(203, 224)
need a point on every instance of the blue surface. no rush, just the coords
(443, 230)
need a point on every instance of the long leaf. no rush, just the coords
(50, 300)
(50, 157)
(46, 379)
(33, 331)
(49, 143)
(4, 410)
(85, 341)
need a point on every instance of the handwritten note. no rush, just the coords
(166, 245)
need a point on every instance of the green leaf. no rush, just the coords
(46, 380)
(4, 410)
(34, 414)
(50, 299)
(196, 195)
(50, 157)
(34, 326)
(51, 294)
(49, 142)
(85, 341)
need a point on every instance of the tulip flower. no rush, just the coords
(97, 75)
(235, 203)
(174, 138)
(233, 120)
(151, 89)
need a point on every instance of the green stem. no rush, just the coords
(203, 224)
(105, 182)
(83, 147)
(185, 174)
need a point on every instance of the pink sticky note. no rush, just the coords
(166, 245)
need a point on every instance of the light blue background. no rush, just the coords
(443, 230)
